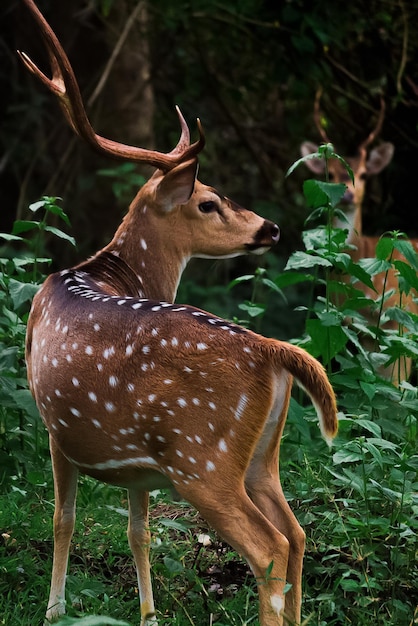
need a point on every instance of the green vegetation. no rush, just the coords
(357, 502)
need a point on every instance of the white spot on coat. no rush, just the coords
(222, 445)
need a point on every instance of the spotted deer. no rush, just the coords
(364, 164)
(143, 393)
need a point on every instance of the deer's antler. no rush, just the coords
(317, 116)
(374, 133)
(63, 85)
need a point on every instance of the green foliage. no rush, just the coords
(125, 180)
(360, 511)
(21, 434)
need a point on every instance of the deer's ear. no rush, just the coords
(316, 166)
(177, 185)
(379, 158)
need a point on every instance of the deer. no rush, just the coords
(366, 163)
(138, 391)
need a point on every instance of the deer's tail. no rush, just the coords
(311, 376)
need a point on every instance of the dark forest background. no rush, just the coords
(249, 69)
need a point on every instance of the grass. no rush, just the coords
(193, 583)
(359, 568)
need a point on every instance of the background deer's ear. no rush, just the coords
(379, 158)
(315, 165)
(177, 185)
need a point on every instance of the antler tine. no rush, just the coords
(64, 85)
(184, 141)
(60, 66)
(183, 146)
(374, 133)
(317, 116)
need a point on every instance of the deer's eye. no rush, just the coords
(207, 207)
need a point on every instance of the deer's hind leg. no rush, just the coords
(234, 516)
(263, 485)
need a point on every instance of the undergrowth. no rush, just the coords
(357, 502)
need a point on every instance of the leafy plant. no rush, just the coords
(20, 276)
(256, 306)
(359, 511)
(125, 180)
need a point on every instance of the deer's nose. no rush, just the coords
(348, 196)
(275, 233)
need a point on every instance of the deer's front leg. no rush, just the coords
(65, 489)
(139, 540)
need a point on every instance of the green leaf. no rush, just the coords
(308, 157)
(118, 509)
(347, 456)
(406, 248)
(59, 233)
(330, 318)
(382, 443)
(369, 389)
(292, 278)
(23, 226)
(57, 210)
(181, 525)
(8, 237)
(346, 165)
(349, 479)
(408, 277)
(325, 341)
(35, 206)
(400, 316)
(348, 584)
(319, 193)
(302, 259)
(384, 248)
(241, 279)
(315, 196)
(334, 192)
(253, 310)
(326, 151)
(374, 266)
(368, 425)
(173, 565)
(21, 292)
(272, 285)
(315, 238)
(392, 496)
(361, 273)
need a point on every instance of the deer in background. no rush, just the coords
(364, 164)
(142, 393)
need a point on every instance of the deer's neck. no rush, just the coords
(148, 245)
(353, 223)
